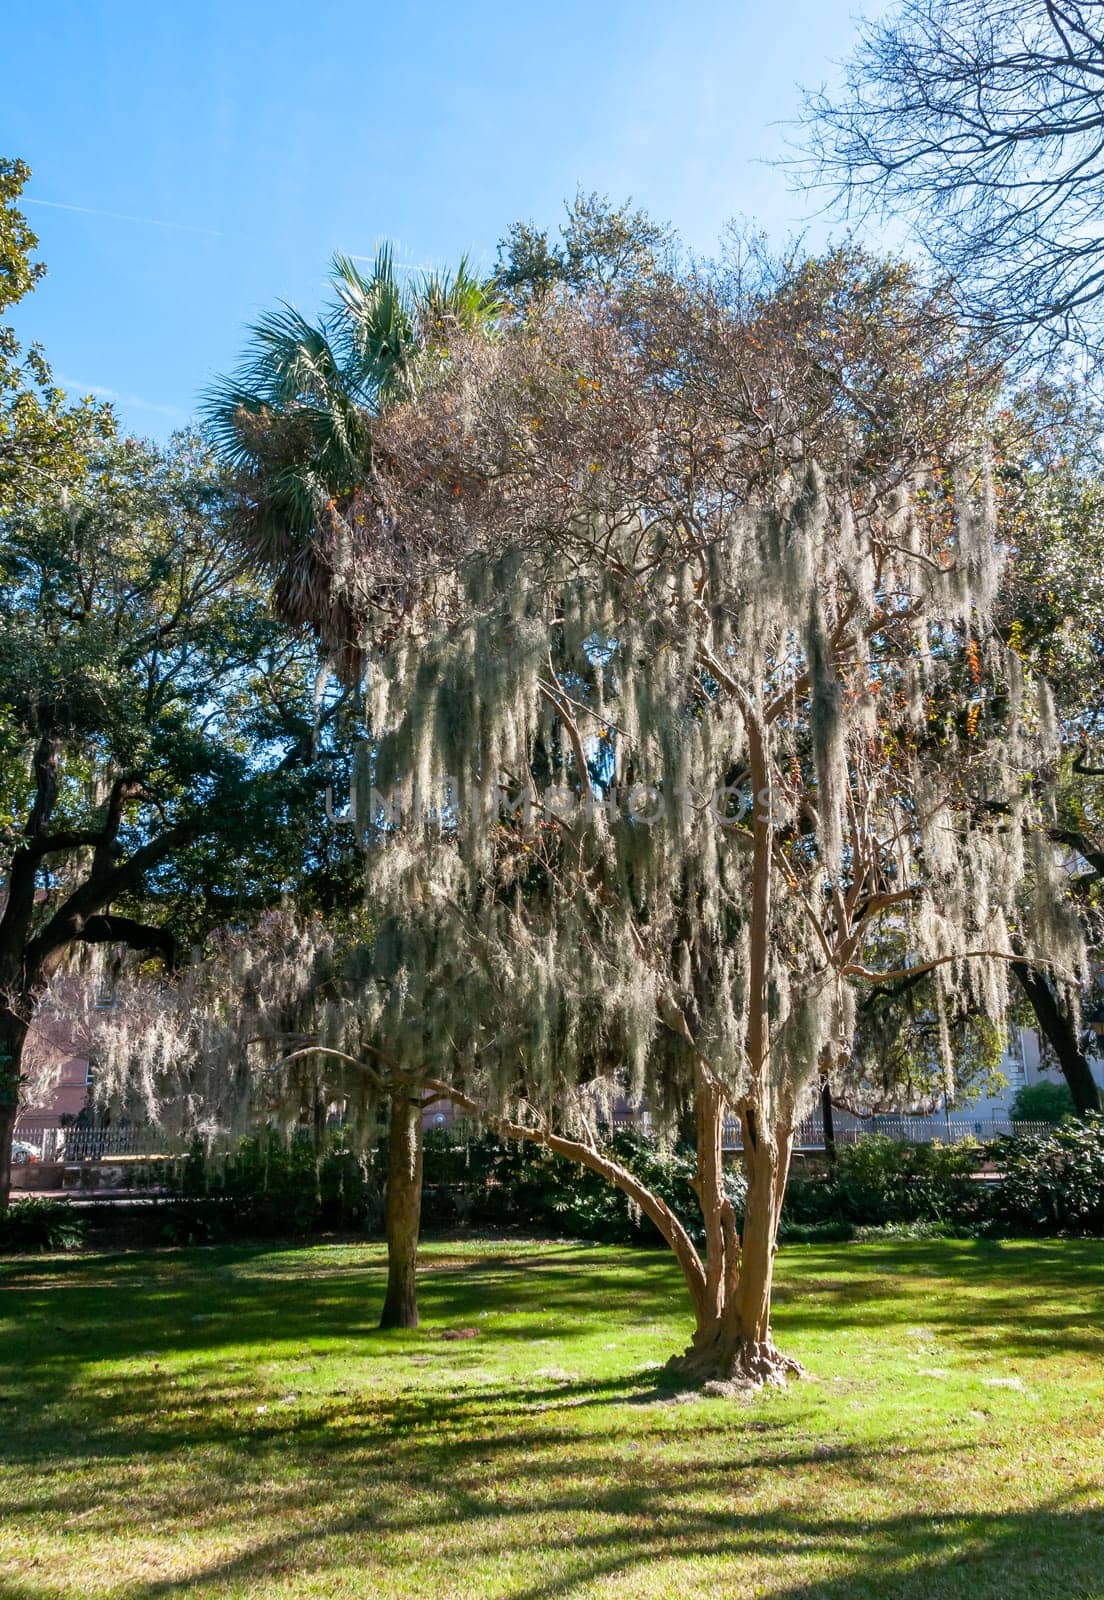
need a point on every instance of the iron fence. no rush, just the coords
(49, 1143)
(849, 1130)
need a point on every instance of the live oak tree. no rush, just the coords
(1051, 610)
(268, 1027)
(161, 734)
(1047, 481)
(599, 246)
(689, 577)
(43, 438)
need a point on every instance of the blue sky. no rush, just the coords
(194, 163)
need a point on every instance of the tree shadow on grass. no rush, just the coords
(1045, 1296)
(1042, 1295)
(1052, 1552)
(307, 1306)
(343, 1476)
(1049, 1553)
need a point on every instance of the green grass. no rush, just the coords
(227, 1422)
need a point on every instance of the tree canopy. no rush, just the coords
(43, 439)
(162, 734)
(696, 705)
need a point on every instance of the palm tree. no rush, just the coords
(295, 420)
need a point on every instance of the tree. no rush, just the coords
(704, 588)
(981, 121)
(601, 246)
(1051, 612)
(295, 424)
(264, 1028)
(160, 731)
(914, 1048)
(1042, 1102)
(43, 440)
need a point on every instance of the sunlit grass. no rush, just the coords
(228, 1422)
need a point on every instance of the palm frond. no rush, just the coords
(295, 419)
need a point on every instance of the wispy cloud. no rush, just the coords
(123, 216)
(133, 402)
(399, 266)
(401, 255)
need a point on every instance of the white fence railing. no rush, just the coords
(937, 1129)
(78, 1144)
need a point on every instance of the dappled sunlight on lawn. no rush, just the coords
(228, 1422)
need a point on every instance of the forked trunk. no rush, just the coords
(404, 1210)
(731, 1289)
(733, 1343)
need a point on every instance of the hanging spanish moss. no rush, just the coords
(695, 711)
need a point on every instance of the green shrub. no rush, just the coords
(1042, 1102)
(913, 1231)
(879, 1181)
(496, 1184)
(1053, 1183)
(815, 1232)
(39, 1224)
(269, 1187)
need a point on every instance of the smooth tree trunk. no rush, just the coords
(404, 1209)
(730, 1289)
(733, 1344)
(1056, 1024)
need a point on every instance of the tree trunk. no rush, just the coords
(733, 1345)
(7, 1129)
(1057, 1027)
(404, 1209)
(731, 1290)
(828, 1120)
(13, 1035)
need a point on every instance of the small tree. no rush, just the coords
(1042, 1102)
(266, 1030)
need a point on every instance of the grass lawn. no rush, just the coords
(228, 1422)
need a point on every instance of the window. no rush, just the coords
(1015, 1060)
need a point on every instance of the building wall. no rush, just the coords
(68, 1096)
(1022, 1065)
